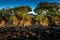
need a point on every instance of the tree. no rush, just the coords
(22, 12)
(48, 10)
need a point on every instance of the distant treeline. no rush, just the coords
(47, 15)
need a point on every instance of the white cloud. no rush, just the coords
(32, 12)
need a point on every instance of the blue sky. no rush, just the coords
(31, 3)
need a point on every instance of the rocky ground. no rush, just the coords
(29, 33)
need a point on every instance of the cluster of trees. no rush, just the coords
(47, 14)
